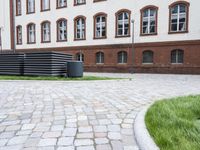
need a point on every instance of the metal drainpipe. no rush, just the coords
(0, 41)
(13, 29)
(132, 45)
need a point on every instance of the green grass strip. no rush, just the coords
(175, 124)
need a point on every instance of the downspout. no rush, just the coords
(12, 25)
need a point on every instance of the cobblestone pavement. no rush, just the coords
(81, 115)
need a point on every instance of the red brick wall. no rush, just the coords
(162, 57)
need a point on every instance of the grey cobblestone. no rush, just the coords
(82, 115)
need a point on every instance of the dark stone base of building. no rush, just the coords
(161, 57)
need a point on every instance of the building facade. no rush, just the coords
(108, 35)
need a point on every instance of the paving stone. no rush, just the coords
(100, 134)
(83, 142)
(84, 135)
(66, 141)
(114, 135)
(66, 148)
(85, 129)
(13, 128)
(86, 148)
(17, 140)
(101, 140)
(103, 147)
(100, 129)
(117, 145)
(69, 132)
(114, 128)
(28, 126)
(31, 142)
(3, 142)
(51, 134)
(47, 142)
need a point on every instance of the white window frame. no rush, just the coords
(178, 16)
(62, 30)
(31, 33)
(100, 26)
(80, 28)
(46, 33)
(45, 5)
(31, 6)
(149, 18)
(123, 22)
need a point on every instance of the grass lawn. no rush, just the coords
(175, 124)
(54, 78)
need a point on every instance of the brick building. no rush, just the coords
(108, 35)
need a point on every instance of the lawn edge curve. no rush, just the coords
(143, 138)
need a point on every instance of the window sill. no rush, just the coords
(61, 41)
(123, 36)
(177, 32)
(99, 38)
(44, 10)
(150, 34)
(147, 63)
(177, 63)
(61, 7)
(31, 42)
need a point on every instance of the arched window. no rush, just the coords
(100, 24)
(99, 57)
(30, 6)
(19, 34)
(46, 31)
(62, 30)
(147, 57)
(177, 56)
(80, 57)
(31, 33)
(123, 23)
(149, 20)
(179, 16)
(122, 57)
(80, 28)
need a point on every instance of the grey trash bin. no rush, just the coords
(75, 69)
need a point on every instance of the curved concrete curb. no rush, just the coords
(143, 138)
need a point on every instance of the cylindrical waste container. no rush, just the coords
(75, 69)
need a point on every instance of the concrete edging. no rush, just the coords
(143, 138)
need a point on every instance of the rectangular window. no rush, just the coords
(30, 6)
(61, 3)
(45, 5)
(19, 35)
(18, 7)
(79, 2)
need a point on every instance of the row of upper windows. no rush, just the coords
(178, 23)
(177, 57)
(45, 5)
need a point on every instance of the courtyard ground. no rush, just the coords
(82, 115)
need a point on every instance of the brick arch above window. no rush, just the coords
(187, 4)
(149, 7)
(116, 22)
